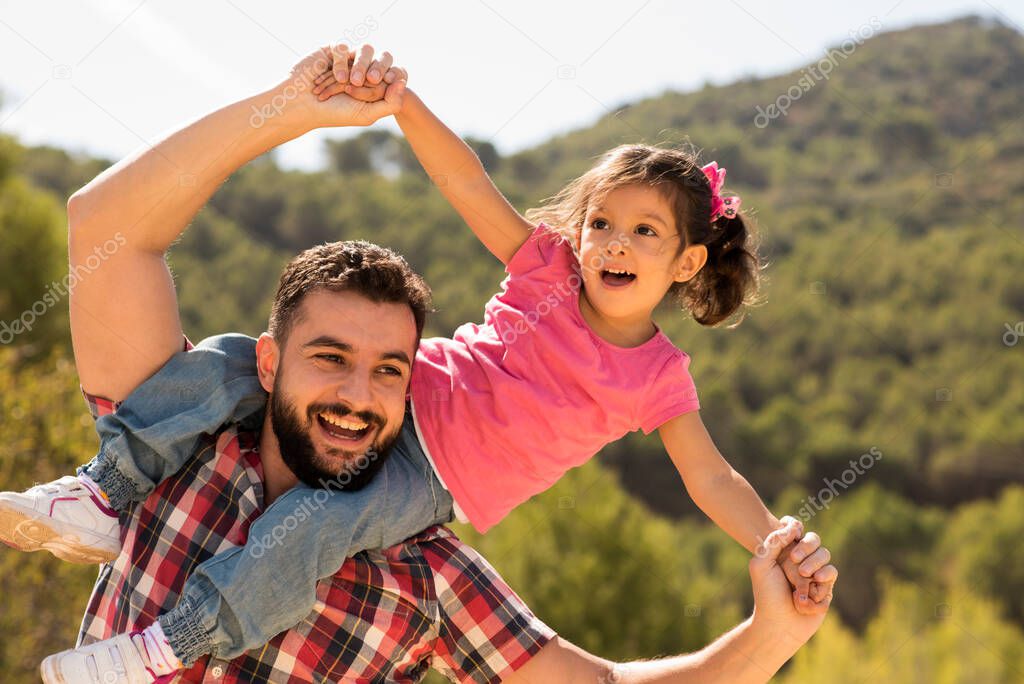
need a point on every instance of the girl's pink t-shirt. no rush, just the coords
(503, 409)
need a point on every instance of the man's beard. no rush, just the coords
(301, 457)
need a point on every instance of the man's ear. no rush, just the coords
(268, 358)
(689, 263)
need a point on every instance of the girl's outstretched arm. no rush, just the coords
(458, 174)
(729, 500)
(721, 492)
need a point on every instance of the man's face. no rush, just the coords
(339, 385)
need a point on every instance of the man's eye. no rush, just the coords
(390, 370)
(333, 358)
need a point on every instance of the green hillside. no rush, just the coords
(889, 201)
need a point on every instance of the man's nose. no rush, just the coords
(356, 391)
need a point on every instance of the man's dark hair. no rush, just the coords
(375, 272)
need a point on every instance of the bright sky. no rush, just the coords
(106, 76)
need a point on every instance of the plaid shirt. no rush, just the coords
(386, 616)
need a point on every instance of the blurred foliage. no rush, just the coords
(32, 260)
(917, 639)
(888, 202)
(45, 433)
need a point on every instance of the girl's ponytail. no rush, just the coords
(729, 279)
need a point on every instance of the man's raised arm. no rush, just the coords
(124, 310)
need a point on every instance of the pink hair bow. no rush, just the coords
(720, 206)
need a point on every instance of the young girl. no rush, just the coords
(567, 360)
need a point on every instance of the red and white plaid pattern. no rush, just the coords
(386, 616)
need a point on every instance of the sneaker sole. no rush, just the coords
(49, 671)
(25, 530)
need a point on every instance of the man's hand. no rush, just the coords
(375, 87)
(774, 608)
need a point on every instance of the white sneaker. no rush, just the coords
(65, 517)
(112, 661)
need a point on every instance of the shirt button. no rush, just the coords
(217, 671)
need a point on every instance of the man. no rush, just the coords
(125, 326)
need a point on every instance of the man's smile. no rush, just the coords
(347, 433)
(342, 427)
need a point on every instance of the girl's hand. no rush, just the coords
(377, 87)
(362, 78)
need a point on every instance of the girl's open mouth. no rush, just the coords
(617, 277)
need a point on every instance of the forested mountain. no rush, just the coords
(889, 201)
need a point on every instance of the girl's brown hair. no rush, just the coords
(731, 277)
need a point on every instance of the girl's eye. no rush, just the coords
(646, 231)
(598, 224)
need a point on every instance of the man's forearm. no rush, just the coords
(152, 195)
(747, 654)
(750, 653)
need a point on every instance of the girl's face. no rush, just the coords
(629, 255)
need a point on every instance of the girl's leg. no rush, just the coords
(242, 597)
(158, 427)
(150, 437)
